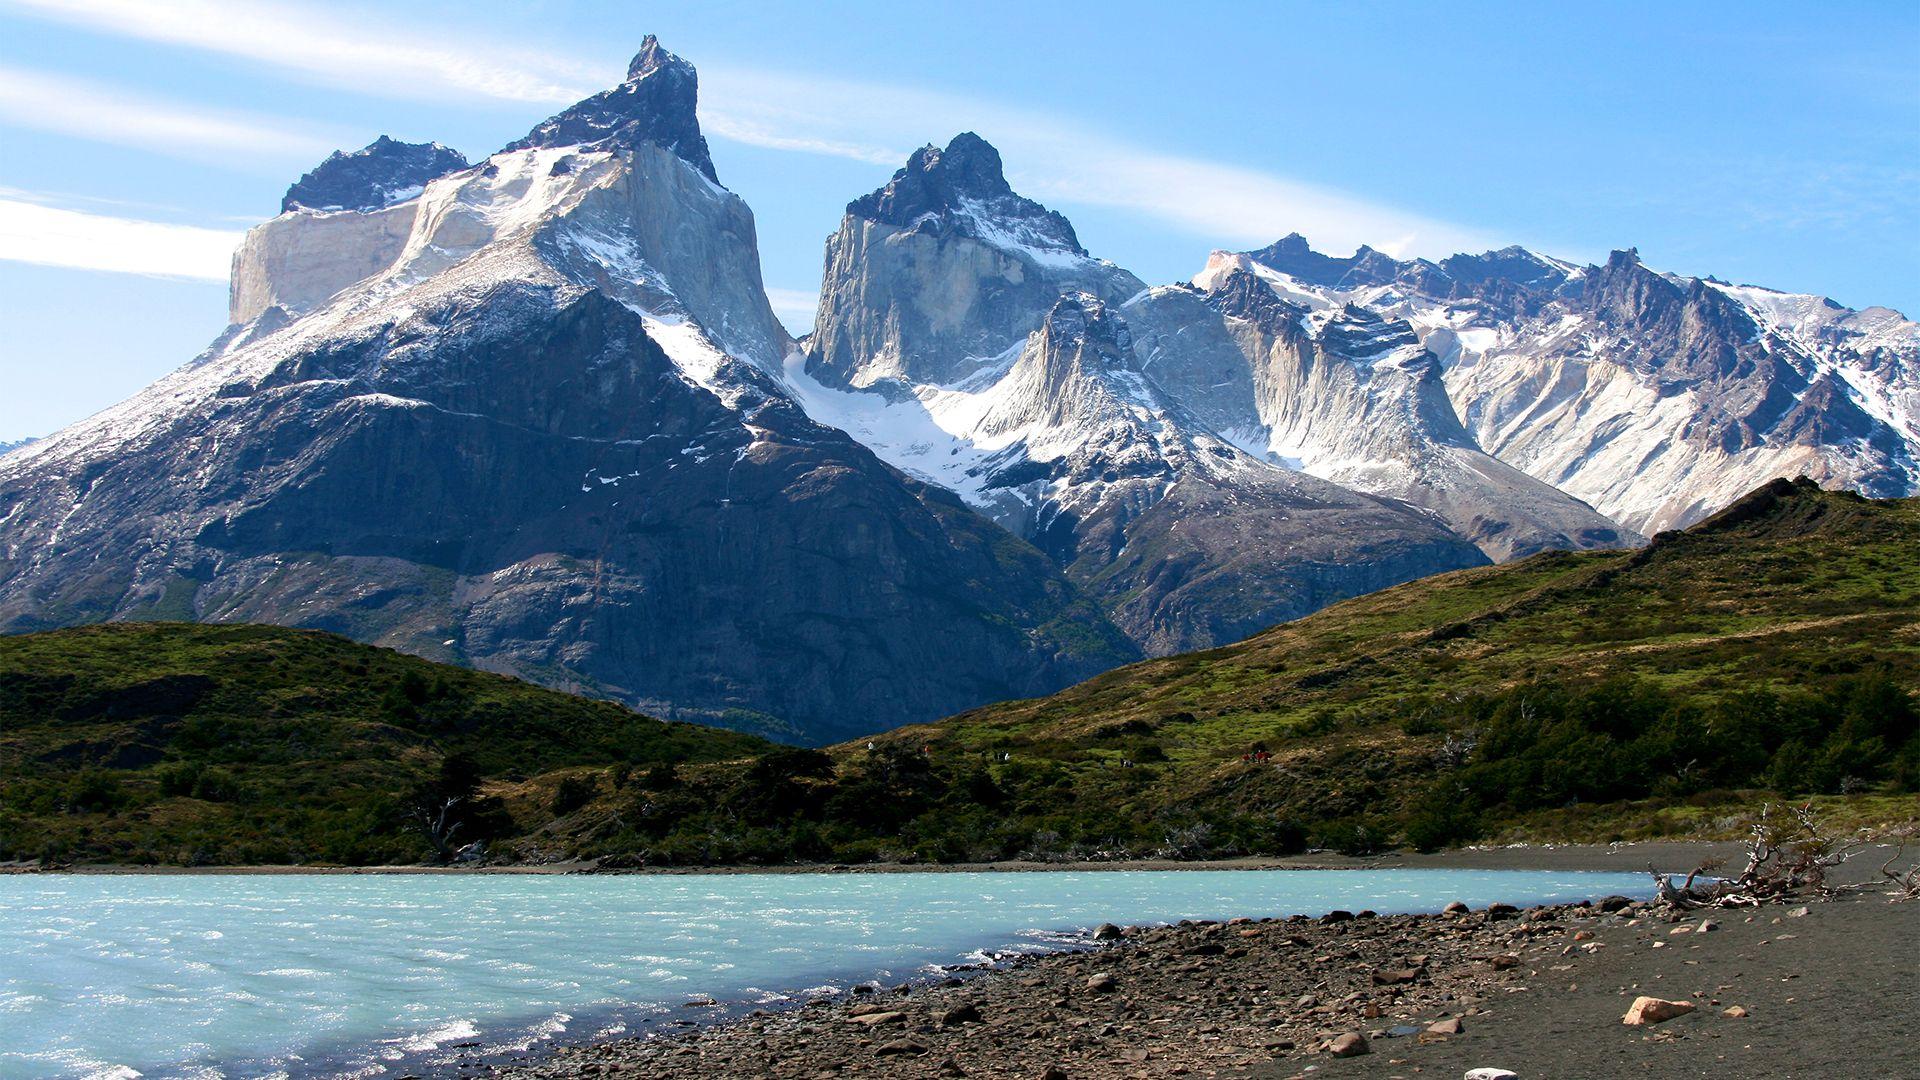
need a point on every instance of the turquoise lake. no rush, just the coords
(378, 975)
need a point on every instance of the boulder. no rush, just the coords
(1653, 1010)
(1102, 982)
(1455, 908)
(875, 1019)
(1736, 1011)
(1612, 904)
(899, 1047)
(1351, 1044)
(1491, 1074)
(1449, 1026)
(964, 1013)
(1395, 976)
(1106, 931)
(1336, 916)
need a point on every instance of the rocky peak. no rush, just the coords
(964, 186)
(1240, 294)
(1362, 334)
(1081, 319)
(1294, 257)
(384, 172)
(656, 104)
(652, 58)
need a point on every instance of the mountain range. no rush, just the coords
(534, 414)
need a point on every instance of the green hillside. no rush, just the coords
(179, 743)
(1776, 645)
(1773, 650)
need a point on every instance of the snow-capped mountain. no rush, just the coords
(1345, 394)
(534, 413)
(942, 271)
(968, 339)
(1656, 398)
(537, 429)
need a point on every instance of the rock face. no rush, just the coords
(382, 173)
(968, 338)
(542, 437)
(1657, 399)
(1348, 395)
(938, 274)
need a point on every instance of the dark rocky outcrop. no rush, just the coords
(383, 172)
(655, 104)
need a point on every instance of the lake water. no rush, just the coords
(373, 975)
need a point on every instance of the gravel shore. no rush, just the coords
(1538, 991)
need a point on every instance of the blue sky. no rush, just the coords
(1775, 144)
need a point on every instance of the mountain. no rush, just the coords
(176, 743)
(1348, 395)
(534, 414)
(1654, 397)
(529, 420)
(383, 173)
(968, 338)
(10, 447)
(941, 272)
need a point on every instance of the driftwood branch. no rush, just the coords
(1784, 856)
(1906, 883)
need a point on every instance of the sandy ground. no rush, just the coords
(1834, 993)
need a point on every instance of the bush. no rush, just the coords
(573, 792)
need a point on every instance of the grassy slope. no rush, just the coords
(310, 739)
(1788, 582)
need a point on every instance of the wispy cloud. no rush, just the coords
(734, 129)
(32, 232)
(396, 60)
(1054, 157)
(1060, 159)
(124, 117)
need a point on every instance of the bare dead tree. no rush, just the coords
(437, 821)
(1784, 857)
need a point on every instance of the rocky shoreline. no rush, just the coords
(1537, 991)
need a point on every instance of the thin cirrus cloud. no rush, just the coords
(32, 232)
(102, 113)
(392, 60)
(1049, 155)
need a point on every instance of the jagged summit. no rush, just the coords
(965, 186)
(652, 57)
(1080, 316)
(383, 172)
(656, 104)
